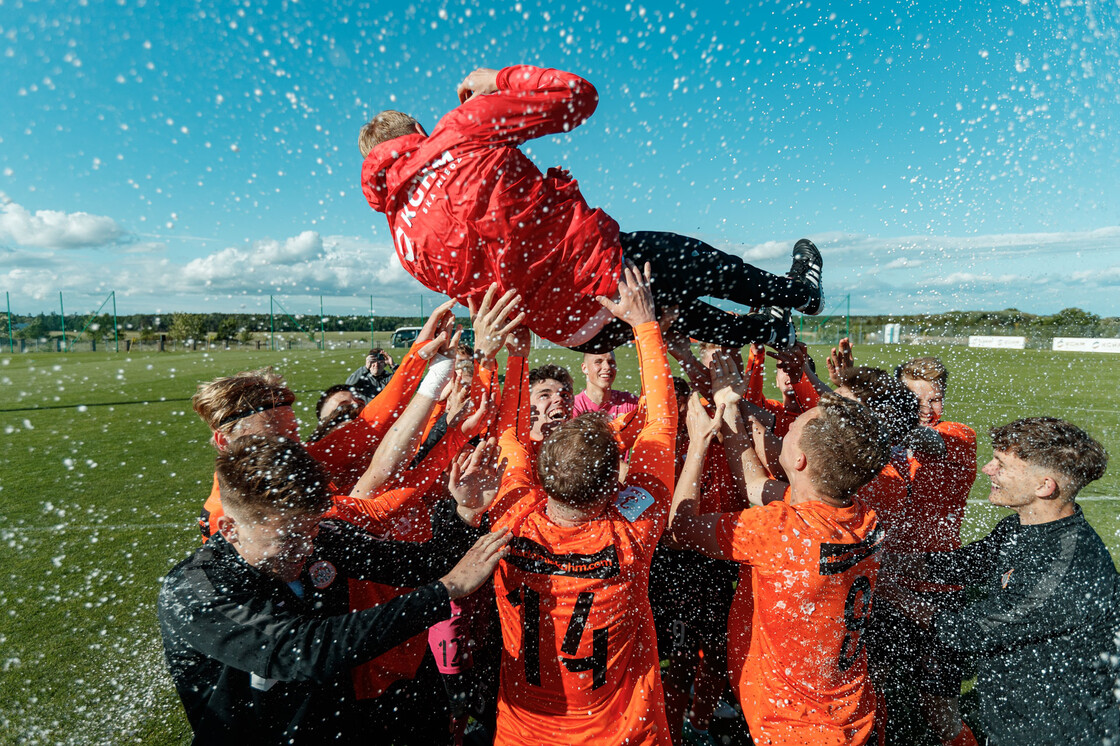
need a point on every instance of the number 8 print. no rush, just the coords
(857, 610)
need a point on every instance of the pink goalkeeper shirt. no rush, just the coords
(619, 403)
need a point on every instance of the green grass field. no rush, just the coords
(103, 468)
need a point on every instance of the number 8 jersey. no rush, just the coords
(579, 658)
(812, 571)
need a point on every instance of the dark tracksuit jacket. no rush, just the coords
(1049, 615)
(255, 663)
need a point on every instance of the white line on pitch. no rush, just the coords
(1091, 499)
(70, 527)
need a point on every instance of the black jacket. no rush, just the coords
(1048, 615)
(255, 663)
(367, 385)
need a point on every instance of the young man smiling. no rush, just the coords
(1043, 633)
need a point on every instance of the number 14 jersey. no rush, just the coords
(579, 663)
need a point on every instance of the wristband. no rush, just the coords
(439, 373)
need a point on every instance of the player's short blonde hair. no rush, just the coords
(846, 444)
(924, 369)
(578, 462)
(222, 402)
(384, 127)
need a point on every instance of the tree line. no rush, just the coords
(242, 326)
(186, 326)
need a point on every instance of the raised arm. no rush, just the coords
(651, 465)
(514, 410)
(346, 451)
(520, 103)
(701, 430)
(398, 447)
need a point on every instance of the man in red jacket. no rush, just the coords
(467, 208)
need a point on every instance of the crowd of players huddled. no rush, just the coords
(465, 554)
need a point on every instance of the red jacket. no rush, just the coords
(467, 208)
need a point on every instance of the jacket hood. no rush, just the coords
(386, 169)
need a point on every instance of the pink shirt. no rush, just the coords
(619, 403)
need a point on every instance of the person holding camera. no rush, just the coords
(368, 380)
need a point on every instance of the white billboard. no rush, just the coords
(1005, 343)
(1086, 344)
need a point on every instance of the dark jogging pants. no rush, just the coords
(685, 269)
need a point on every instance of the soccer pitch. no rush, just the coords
(104, 466)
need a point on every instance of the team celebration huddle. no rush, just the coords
(469, 552)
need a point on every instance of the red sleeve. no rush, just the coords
(628, 426)
(530, 102)
(652, 463)
(756, 368)
(345, 452)
(514, 411)
(433, 418)
(807, 395)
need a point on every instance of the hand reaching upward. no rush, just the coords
(635, 299)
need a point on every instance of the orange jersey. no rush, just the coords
(813, 569)
(939, 489)
(579, 659)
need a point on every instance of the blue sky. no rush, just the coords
(200, 156)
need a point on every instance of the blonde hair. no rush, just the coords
(924, 369)
(222, 402)
(384, 127)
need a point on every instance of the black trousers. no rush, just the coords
(685, 269)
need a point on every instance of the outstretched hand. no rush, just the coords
(437, 331)
(702, 427)
(474, 479)
(477, 564)
(728, 386)
(492, 320)
(793, 360)
(635, 298)
(519, 341)
(839, 362)
(480, 82)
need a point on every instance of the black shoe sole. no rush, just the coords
(806, 256)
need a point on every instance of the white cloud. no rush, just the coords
(1040, 273)
(50, 229)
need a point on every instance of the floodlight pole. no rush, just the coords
(322, 331)
(271, 326)
(11, 339)
(116, 335)
(371, 321)
(62, 312)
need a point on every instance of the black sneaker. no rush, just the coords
(806, 268)
(782, 333)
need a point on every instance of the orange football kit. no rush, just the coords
(579, 659)
(803, 677)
